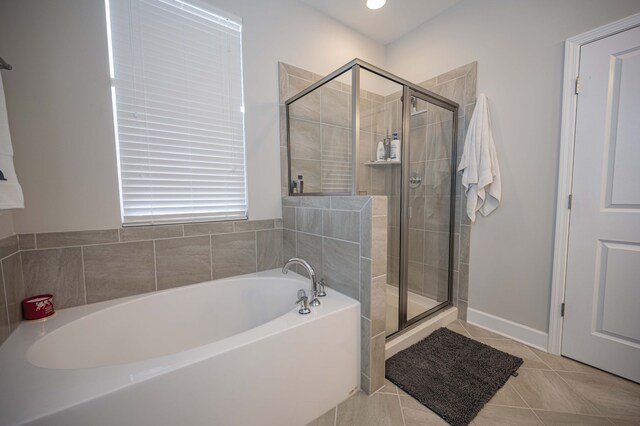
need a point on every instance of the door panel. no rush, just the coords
(602, 315)
(429, 207)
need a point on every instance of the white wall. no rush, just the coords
(60, 114)
(6, 223)
(60, 110)
(519, 49)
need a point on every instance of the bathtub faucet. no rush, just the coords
(317, 289)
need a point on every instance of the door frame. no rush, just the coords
(565, 168)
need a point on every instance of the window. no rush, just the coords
(176, 86)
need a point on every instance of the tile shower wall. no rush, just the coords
(344, 239)
(92, 266)
(322, 130)
(459, 85)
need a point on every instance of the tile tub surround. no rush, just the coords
(81, 267)
(12, 291)
(344, 238)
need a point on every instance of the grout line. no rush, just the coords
(465, 328)
(564, 412)
(255, 244)
(6, 301)
(84, 278)
(526, 403)
(155, 265)
(145, 239)
(324, 236)
(6, 257)
(404, 422)
(211, 257)
(382, 332)
(579, 395)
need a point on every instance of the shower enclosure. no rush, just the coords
(334, 127)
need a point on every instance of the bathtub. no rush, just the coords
(225, 352)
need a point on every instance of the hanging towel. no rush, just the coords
(479, 164)
(10, 190)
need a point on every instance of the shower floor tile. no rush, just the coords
(583, 395)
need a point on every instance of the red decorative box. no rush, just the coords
(37, 307)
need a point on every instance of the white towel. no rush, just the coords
(479, 164)
(10, 190)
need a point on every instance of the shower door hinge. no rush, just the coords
(577, 85)
(562, 310)
(570, 201)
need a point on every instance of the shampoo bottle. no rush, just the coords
(380, 152)
(395, 154)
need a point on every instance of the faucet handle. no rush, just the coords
(321, 292)
(304, 302)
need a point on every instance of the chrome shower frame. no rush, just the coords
(409, 90)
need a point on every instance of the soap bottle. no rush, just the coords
(387, 149)
(300, 184)
(395, 148)
(380, 153)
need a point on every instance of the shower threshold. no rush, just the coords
(419, 331)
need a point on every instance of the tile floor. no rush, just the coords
(549, 390)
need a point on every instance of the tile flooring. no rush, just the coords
(549, 390)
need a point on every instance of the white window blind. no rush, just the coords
(176, 72)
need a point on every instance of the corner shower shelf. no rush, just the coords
(381, 163)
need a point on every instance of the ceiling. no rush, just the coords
(392, 21)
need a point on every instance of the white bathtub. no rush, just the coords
(225, 352)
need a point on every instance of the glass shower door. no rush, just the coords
(428, 202)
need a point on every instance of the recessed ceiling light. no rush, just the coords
(375, 4)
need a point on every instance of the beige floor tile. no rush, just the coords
(552, 418)
(388, 388)
(492, 415)
(416, 414)
(475, 331)
(531, 360)
(611, 395)
(508, 396)
(544, 389)
(327, 419)
(458, 328)
(628, 421)
(564, 364)
(379, 409)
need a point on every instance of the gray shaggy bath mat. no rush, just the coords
(452, 375)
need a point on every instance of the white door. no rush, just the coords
(602, 299)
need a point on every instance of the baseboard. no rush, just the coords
(504, 327)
